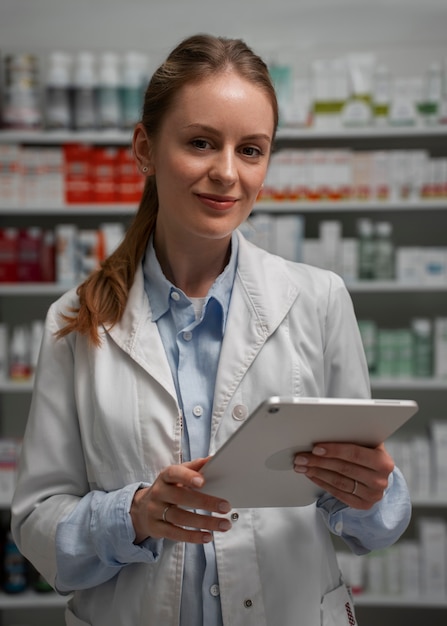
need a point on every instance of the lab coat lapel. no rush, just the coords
(138, 336)
(262, 296)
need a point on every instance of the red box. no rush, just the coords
(78, 173)
(104, 175)
(29, 255)
(9, 252)
(130, 182)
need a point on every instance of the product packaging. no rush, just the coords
(9, 255)
(57, 92)
(78, 179)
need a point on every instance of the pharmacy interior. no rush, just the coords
(357, 184)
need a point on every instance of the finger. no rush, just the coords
(192, 499)
(376, 459)
(360, 496)
(191, 519)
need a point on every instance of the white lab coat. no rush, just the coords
(102, 418)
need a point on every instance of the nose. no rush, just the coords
(224, 167)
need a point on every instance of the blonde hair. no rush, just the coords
(103, 295)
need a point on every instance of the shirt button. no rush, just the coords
(248, 603)
(338, 528)
(175, 296)
(214, 590)
(198, 411)
(187, 335)
(240, 412)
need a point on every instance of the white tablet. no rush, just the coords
(254, 468)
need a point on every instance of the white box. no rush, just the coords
(8, 470)
(410, 566)
(433, 541)
(66, 256)
(440, 347)
(438, 433)
(288, 233)
(409, 265)
(330, 232)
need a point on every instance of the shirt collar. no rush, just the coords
(159, 289)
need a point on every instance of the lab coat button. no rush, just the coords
(214, 590)
(240, 412)
(248, 603)
(187, 335)
(234, 517)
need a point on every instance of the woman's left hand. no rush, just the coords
(356, 475)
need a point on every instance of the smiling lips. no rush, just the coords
(220, 203)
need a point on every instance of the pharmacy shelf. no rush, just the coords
(263, 206)
(42, 137)
(419, 384)
(32, 289)
(376, 286)
(413, 601)
(72, 209)
(32, 600)
(364, 132)
(392, 286)
(346, 206)
(16, 386)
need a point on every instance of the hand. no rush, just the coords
(354, 474)
(161, 509)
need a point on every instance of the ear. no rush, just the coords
(141, 148)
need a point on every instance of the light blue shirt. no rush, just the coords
(192, 334)
(96, 539)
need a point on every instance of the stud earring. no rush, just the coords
(144, 169)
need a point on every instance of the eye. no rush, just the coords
(200, 144)
(251, 151)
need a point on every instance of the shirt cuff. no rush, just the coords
(373, 529)
(113, 532)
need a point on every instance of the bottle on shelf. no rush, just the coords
(108, 92)
(15, 567)
(21, 98)
(84, 93)
(381, 94)
(384, 251)
(131, 90)
(422, 347)
(57, 92)
(432, 96)
(365, 230)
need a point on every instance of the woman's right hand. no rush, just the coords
(161, 510)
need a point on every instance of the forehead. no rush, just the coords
(223, 96)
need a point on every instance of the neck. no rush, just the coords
(193, 269)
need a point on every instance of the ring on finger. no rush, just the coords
(165, 511)
(354, 489)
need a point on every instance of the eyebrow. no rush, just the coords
(211, 129)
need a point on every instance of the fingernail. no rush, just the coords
(207, 538)
(224, 525)
(301, 460)
(224, 507)
(319, 451)
(302, 469)
(197, 481)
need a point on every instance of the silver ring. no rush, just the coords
(355, 487)
(166, 509)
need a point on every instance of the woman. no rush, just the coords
(156, 359)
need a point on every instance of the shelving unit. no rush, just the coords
(422, 222)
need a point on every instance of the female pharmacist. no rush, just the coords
(152, 363)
